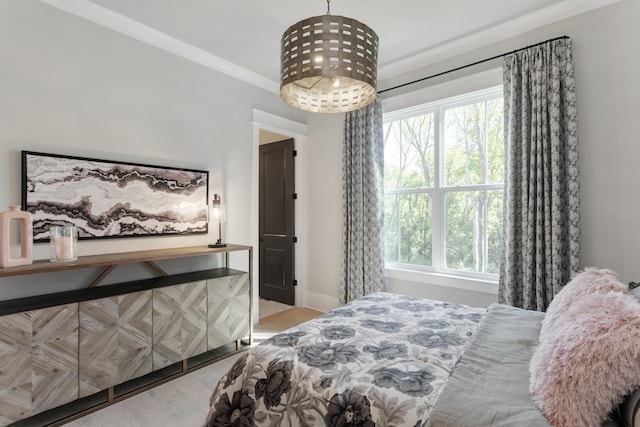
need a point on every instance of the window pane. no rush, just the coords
(409, 153)
(408, 228)
(474, 230)
(392, 157)
(495, 142)
(467, 134)
(461, 230)
(494, 229)
(473, 144)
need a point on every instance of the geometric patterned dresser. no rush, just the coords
(57, 348)
(38, 361)
(179, 323)
(114, 340)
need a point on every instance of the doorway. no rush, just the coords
(276, 246)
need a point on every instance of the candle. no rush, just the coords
(64, 248)
(63, 243)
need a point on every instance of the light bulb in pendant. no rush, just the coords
(335, 81)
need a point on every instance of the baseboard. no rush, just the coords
(321, 302)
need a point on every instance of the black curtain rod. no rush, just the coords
(471, 65)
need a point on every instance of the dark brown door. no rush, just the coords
(277, 196)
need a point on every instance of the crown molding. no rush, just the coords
(549, 15)
(132, 28)
(135, 29)
(277, 122)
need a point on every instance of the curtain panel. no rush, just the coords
(541, 229)
(362, 203)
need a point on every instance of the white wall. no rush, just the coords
(606, 64)
(324, 226)
(68, 86)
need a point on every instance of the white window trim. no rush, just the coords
(407, 105)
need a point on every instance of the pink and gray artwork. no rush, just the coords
(110, 199)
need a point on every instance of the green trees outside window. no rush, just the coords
(444, 184)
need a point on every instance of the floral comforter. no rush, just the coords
(381, 360)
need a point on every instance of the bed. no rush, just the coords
(395, 360)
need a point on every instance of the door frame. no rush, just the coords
(297, 131)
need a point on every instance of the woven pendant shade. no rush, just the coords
(328, 64)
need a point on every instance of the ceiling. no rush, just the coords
(242, 37)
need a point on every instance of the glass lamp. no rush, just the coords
(218, 214)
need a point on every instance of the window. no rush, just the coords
(444, 185)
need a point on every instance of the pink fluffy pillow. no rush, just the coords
(589, 359)
(591, 280)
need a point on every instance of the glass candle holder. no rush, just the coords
(63, 243)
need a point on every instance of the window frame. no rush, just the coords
(437, 274)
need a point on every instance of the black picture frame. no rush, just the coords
(109, 199)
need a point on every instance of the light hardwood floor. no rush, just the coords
(267, 307)
(184, 402)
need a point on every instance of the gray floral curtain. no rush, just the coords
(362, 203)
(542, 236)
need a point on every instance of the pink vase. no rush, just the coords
(26, 237)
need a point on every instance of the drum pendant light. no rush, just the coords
(328, 64)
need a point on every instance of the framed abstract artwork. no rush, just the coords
(107, 199)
